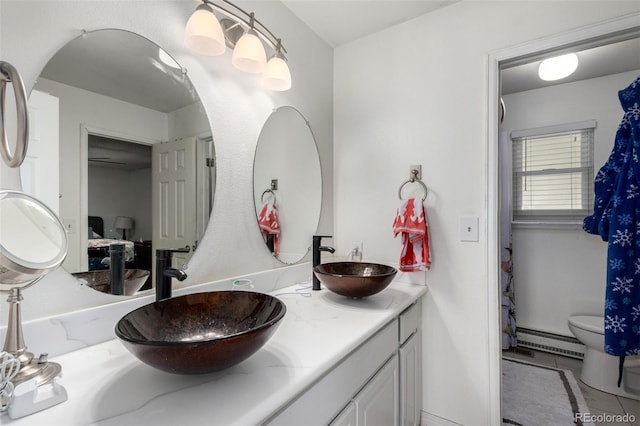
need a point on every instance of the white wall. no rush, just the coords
(114, 192)
(417, 94)
(236, 107)
(562, 272)
(188, 121)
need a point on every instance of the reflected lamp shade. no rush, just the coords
(124, 223)
(277, 75)
(203, 33)
(249, 55)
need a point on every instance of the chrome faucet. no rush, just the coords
(317, 248)
(164, 273)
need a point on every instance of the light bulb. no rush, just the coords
(249, 55)
(558, 67)
(277, 75)
(203, 33)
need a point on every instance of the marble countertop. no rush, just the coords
(109, 386)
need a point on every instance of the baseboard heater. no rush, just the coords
(549, 342)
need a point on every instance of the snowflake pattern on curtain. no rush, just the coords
(509, 332)
(616, 219)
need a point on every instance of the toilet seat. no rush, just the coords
(589, 323)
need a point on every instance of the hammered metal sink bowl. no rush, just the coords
(202, 332)
(134, 279)
(355, 279)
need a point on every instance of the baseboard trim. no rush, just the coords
(550, 342)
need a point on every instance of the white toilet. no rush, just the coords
(599, 369)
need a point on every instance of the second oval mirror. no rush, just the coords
(287, 184)
(120, 149)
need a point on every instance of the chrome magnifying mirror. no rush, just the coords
(33, 242)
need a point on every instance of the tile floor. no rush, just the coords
(597, 401)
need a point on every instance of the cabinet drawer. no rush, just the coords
(324, 400)
(409, 322)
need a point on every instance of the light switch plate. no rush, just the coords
(70, 226)
(469, 228)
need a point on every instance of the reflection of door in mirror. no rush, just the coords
(174, 189)
(39, 171)
(118, 186)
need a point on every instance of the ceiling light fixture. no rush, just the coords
(205, 35)
(558, 67)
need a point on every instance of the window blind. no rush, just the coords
(553, 176)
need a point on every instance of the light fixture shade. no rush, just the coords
(249, 55)
(277, 75)
(123, 222)
(203, 33)
(558, 67)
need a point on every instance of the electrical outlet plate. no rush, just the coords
(356, 249)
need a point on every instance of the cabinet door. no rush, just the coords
(411, 380)
(347, 417)
(378, 402)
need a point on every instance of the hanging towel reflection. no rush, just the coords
(270, 227)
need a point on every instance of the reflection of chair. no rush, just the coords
(97, 224)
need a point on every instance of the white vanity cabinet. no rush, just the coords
(377, 384)
(410, 357)
(347, 417)
(378, 402)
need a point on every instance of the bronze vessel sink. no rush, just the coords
(355, 279)
(100, 280)
(202, 332)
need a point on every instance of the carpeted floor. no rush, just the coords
(537, 395)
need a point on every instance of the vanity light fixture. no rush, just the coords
(558, 67)
(205, 35)
(277, 76)
(249, 55)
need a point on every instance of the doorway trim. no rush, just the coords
(85, 131)
(598, 31)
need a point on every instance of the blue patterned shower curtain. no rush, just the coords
(616, 219)
(509, 338)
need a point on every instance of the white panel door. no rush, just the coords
(347, 417)
(411, 380)
(174, 195)
(40, 170)
(378, 402)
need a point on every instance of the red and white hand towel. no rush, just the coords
(270, 226)
(411, 223)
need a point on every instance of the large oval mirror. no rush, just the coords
(121, 149)
(287, 184)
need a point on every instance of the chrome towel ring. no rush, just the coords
(268, 191)
(414, 178)
(8, 74)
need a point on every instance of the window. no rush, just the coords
(553, 173)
